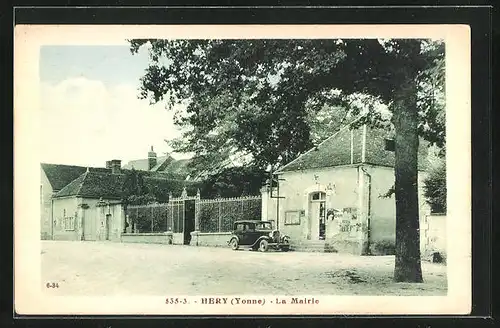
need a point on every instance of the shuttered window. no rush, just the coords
(69, 223)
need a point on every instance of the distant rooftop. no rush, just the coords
(72, 180)
(165, 164)
(98, 183)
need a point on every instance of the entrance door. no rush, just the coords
(189, 213)
(89, 226)
(314, 218)
(317, 216)
(322, 219)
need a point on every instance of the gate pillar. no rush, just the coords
(197, 211)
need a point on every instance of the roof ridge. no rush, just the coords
(42, 163)
(71, 165)
(161, 162)
(322, 142)
(83, 181)
(81, 176)
(146, 158)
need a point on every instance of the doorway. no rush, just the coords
(90, 226)
(189, 214)
(317, 217)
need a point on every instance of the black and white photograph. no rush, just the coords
(243, 169)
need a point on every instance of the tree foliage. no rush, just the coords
(134, 191)
(435, 187)
(254, 99)
(233, 182)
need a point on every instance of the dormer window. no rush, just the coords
(390, 145)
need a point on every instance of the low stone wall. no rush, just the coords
(433, 238)
(45, 236)
(178, 238)
(148, 238)
(214, 239)
(66, 235)
(343, 246)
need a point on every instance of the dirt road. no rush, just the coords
(99, 268)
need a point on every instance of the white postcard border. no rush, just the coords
(29, 298)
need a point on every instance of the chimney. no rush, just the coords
(116, 166)
(151, 159)
(108, 164)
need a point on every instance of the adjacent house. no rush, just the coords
(53, 177)
(80, 203)
(89, 207)
(338, 193)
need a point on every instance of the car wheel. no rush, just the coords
(263, 245)
(234, 244)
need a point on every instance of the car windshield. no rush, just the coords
(264, 226)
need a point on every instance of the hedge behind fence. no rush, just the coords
(218, 215)
(215, 215)
(157, 218)
(207, 211)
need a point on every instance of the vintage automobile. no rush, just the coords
(257, 235)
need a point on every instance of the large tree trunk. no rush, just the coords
(407, 266)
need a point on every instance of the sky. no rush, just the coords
(90, 109)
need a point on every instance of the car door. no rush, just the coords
(244, 234)
(252, 234)
(239, 233)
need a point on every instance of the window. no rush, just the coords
(69, 223)
(292, 218)
(390, 145)
(249, 227)
(264, 225)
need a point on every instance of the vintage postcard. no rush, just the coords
(246, 169)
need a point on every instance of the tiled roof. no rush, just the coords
(60, 175)
(164, 164)
(143, 164)
(336, 151)
(159, 175)
(94, 185)
(178, 167)
(98, 183)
